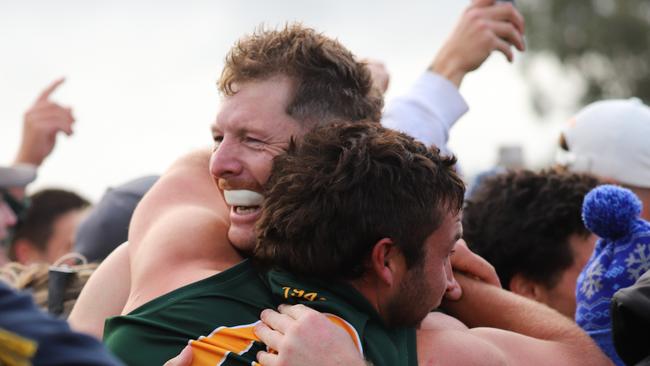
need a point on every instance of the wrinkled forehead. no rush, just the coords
(262, 102)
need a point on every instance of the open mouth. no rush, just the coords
(245, 210)
(243, 201)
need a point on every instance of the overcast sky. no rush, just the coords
(141, 76)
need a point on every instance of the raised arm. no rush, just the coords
(485, 26)
(42, 122)
(431, 107)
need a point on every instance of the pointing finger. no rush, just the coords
(45, 94)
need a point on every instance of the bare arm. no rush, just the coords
(104, 295)
(544, 336)
(432, 106)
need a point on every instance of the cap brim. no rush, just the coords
(17, 175)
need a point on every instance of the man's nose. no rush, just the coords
(225, 160)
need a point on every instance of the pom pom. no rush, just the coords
(609, 211)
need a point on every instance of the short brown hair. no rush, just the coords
(45, 208)
(343, 188)
(329, 83)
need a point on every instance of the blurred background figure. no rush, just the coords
(107, 224)
(620, 258)
(610, 140)
(46, 231)
(528, 225)
(43, 121)
(10, 208)
(631, 322)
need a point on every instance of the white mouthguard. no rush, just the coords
(243, 197)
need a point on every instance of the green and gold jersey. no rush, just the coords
(218, 314)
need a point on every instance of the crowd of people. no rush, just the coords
(323, 228)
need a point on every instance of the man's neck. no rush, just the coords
(368, 288)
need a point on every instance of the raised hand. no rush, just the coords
(485, 26)
(42, 122)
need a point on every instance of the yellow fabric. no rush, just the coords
(16, 350)
(214, 349)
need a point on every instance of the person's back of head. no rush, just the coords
(47, 229)
(343, 188)
(528, 226)
(328, 83)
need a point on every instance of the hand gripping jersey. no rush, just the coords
(217, 315)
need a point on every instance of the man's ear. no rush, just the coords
(26, 252)
(521, 285)
(387, 262)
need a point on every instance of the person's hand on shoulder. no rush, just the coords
(303, 336)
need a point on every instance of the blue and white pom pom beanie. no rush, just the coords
(621, 256)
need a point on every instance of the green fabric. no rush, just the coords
(381, 345)
(158, 330)
(161, 328)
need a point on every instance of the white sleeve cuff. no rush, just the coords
(427, 111)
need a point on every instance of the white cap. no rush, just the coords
(611, 139)
(18, 175)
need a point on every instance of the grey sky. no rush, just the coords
(141, 76)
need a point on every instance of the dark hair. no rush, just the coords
(343, 188)
(44, 208)
(521, 221)
(328, 82)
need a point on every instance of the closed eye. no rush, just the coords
(253, 140)
(254, 143)
(218, 139)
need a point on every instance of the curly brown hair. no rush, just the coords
(329, 83)
(521, 221)
(343, 188)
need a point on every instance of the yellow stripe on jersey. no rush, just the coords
(214, 349)
(348, 328)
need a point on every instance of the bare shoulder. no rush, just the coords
(185, 186)
(178, 233)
